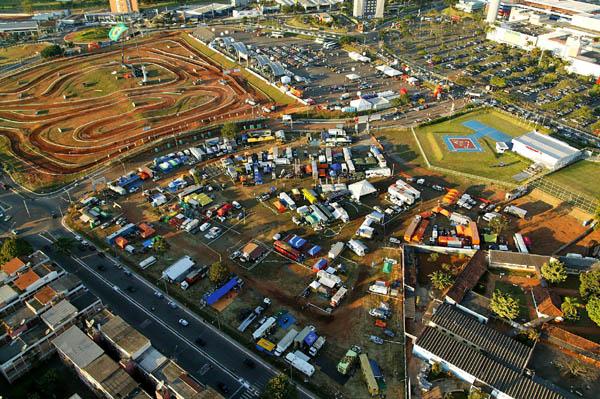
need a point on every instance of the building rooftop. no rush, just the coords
(547, 145)
(102, 368)
(83, 300)
(547, 302)
(151, 359)
(176, 378)
(120, 384)
(570, 5)
(78, 347)
(45, 295)
(37, 258)
(12, 266)
(18, 26)
(7, 294)
(476, 363)
(26, 279)
(467, 279)
(19, 316)
(123, 335)
(518, 258)
(59, 314)
(65, 283)
(494, 344)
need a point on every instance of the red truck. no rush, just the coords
(224, 210)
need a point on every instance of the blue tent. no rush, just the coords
(310, 338)
(314, 250)
(220, 292)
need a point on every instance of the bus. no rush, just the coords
(520, 243)
(277, 35)
(365, 365)
(287, 250)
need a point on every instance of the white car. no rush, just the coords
(183, 322)
(205, 226)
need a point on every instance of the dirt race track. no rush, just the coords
(67, 115)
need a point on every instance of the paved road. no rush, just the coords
(132, 298)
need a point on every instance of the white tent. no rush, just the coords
(352, 76)
(360, 189)
(361, 104)
(391, 72)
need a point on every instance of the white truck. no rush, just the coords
(358, 247)
(316, 347)
(401, 194)
(193, 225)
(516, 211)
(262, 330)
(336, 250)
(285, 342)
(300, 364)
(379, 287)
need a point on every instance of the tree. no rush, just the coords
(441, 280)
(593, 309)
(403, 99)
(433, 257)
(504, 305)
(279, 387)
(436, 369)
(27, 6)
(529, 336)
(229, 130)
(14, 247)
(54, 50)
(217, 273)
(159, 245)
(64, 245)
(554, 271)
(498, 82)
(476, 393)
(589, 283)
(499, 224)
(570, 308)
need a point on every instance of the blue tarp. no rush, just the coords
(285, 320)
(336, 166)
(221, 291)
(297, 242)
(126, 180)
(320, 264)
(314, 250)
(376, 370)
(311, 338)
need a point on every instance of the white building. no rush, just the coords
(545, 150)
(469, 6)
(368, 8)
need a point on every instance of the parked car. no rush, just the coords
(183, 322)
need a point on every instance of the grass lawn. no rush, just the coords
(261, 86)
(15, 53)
(518, 294)
(89, 35)
(582, 177)
(485, 163)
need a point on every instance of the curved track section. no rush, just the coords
(68, 115)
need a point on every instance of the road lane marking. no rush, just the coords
(26, 208)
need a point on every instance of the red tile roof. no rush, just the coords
(26, 279)
(12, 266)
(547, 302)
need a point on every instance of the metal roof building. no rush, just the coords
(473, 365)
(545, 150)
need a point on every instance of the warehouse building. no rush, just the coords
(545, 150)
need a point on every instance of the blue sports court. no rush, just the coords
(470, 143)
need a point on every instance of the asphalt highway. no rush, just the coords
(219, 361)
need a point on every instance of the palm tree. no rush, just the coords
(64, 244)
(570, 308)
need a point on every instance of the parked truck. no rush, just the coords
(368, 374)
(192, 226)
(300, 364)
(299, 339)
(379, 287)
(285, 342)
(358, 247)
(264, 328)
(316, 347)
(349, 360)
(336, 250)
(516, 211)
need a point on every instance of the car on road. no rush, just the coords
(158, 294)
(183, 322)
(7, 218)
(172, 305)
(222, 387)
(78, 238)
(14, 232)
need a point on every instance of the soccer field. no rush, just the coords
(480, 159)
(581, 177)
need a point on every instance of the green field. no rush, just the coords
(582, 177)
(487, 163)
(89, 35)
(261, 86)
(15, 53)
